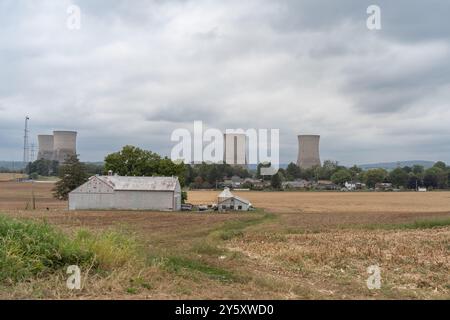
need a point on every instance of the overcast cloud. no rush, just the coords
(139, 69)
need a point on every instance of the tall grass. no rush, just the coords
(29, 249)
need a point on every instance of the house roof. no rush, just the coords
(226, 193)
(236, 198)
(140, 183)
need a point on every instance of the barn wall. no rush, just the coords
(144, 200)
(83, 201)
(125, 200)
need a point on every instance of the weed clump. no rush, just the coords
(29, 249)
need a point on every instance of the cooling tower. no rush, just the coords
(64, 144)
(45, 147)
(235, 149)
(308, 151)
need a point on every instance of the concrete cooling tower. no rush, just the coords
(308, 151)
(64, 144)
(235, 149)
(45, 147)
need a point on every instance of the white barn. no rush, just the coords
(127, 193)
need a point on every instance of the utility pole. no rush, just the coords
(25, 142)
(33, 197)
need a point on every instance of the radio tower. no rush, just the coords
(25, 142)
(32, 152)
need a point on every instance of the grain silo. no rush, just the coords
(235, 149)
(45, 147)
(308, 151)
(64, 144)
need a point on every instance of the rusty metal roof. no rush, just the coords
(140, 183)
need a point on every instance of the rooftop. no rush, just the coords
(140, 183)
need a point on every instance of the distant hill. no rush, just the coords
(12, 165)
(393, 165)
(19, 165)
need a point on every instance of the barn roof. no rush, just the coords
(140, 183)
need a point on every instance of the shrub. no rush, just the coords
(29, 249)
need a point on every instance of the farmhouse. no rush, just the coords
(228, 201)
(234, 203)
(127, 193)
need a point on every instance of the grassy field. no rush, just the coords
(297, 245)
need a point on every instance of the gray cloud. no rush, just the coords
(134, 73)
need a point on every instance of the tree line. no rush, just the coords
(436, 177)
(133, 161)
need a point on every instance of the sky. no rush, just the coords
(137, 70)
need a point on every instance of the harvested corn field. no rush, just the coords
(296, 245)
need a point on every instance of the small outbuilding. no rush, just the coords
(127, 193)
(225, 194)
(228, 201)
(234, 203)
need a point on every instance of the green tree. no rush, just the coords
(133, 161)
(414, 181)
(275, 181)
(341, 176)
(374, 176)
(282, 174)
(184, 196)
(213, 175)
(293, 171)
(355, 171)
(441, 165)
(407, 169)
(94, 168)
(72, 175)
(398, 177)
(189, 174)
(418, 169)
(435, 177)
(43, 167)
(328, 168)
(258, 169)
(33, 176)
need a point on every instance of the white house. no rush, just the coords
(127, 193)
(228, 201)
(234, 203)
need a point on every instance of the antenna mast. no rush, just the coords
(32, 152)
